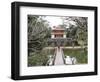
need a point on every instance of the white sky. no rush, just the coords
(53, 21)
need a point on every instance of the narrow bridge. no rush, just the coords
(59, 58)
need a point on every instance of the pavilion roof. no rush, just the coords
(58, 28)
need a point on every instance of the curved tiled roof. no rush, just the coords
(58, 28)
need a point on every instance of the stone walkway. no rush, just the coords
(59, 58)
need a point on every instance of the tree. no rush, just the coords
(38, 30)
(82, 34)
(37, 33)
(78, 29)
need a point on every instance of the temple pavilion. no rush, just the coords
(58, 32)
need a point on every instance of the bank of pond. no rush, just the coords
(46, 57)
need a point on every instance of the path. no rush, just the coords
(59, 58)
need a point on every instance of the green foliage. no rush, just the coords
(40, 58)
(37, 59)
(77, 29)
(38, 34)
(79, 54)
(81, 36)
(71, 31)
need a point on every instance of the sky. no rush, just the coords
(53, 21)
(57, 20)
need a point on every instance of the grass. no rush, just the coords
(80, 54)
(40, 58)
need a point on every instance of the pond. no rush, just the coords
(80, 54)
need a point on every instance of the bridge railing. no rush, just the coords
(63, 56)
(54, 57)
